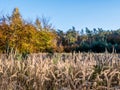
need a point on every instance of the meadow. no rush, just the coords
(60, 71)
(97, 69)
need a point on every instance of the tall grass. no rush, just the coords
(66, 71)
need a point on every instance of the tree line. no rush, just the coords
(19, 35)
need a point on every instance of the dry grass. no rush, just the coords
(66, 71)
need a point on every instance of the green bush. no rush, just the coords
(98, 46)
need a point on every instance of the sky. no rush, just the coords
(63, 14)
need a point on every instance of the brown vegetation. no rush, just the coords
(66, 71)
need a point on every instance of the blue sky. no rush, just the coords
(64, 14)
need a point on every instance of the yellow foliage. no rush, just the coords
(25, 37)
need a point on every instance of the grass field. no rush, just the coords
(66, 71)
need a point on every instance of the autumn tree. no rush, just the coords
(16, 34)
(4, 35)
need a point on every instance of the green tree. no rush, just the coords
(72, 35)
